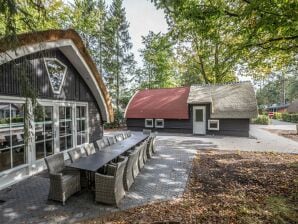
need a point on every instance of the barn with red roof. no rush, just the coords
(200, 109)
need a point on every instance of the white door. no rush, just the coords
(199, 120)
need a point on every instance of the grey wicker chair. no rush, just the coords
(146, 131)
(149, 147)
(153, 146)
(119, 137)
(135, 166)
(141, 156)
(106, 141)
(109, 188)
(63, 182)
(128, 177)
(111, 140)
(74, 155)
(145, 151)
(90, 149)
(100, 144)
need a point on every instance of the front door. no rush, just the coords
(199, 120)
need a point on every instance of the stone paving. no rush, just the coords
(164, 177)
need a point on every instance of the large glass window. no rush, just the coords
(81, 125)
(65, 127)
(12, 148)
(44, 135)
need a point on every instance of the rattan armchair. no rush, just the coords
(141, 156)
(109, 188)
(112, 140)
(135, 166)
(149, 147)
(128, 177)
(63, 182)
(74, 155)
(101, 144)
(145, 143)
(90, 149)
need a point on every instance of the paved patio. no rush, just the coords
(163, 177)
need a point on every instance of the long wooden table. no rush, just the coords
(99, 159)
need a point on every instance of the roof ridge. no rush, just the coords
(221, 84)
(180, 87)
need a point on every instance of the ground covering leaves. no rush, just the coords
(227, 187)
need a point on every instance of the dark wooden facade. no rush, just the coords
(32, 67)
(230, 127)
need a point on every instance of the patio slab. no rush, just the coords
(164, 177)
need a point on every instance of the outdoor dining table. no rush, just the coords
(97, 160)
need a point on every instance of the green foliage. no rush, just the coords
(261, 119)
(272, 92)
(118, 61)
(158, 60)
(221, 37)
(277, 116)
(290, 117)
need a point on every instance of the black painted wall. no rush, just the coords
(32, 67)
(230, 127)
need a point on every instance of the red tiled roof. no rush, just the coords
(159, 103)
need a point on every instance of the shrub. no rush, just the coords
(261, 119)
(277, 116)
(294, 118)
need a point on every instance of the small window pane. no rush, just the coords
(199, 115)
(62, 143)
(49, 148)
(69, 142)
(39, 150)
(18, 155)
(5, 159)
(213, 124)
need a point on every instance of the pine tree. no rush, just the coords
(118, 60)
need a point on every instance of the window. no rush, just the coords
(12, 148)
(199, 114)
(44, 138)
(213, 125)
(56, 71)
(149, 123)
(159, 123)
(81, 120)
(65, 127)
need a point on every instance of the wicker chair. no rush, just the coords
(106, 141)
(145, 158)
(90, 149)
(100, 144)
(149, 147)
(141, 156)
(74, 155)
(128, 134)
(109, 188)
(146, 131)
(111, 140)
(63, 182)
(119, 137)
(128, 177)
(135, 166)
(153, 147)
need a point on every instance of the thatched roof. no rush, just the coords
(53, 36)
(235, 100)
(293, 107)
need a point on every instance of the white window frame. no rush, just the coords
(148, 126)
(64, 74)
(159, 120)
(209, 124)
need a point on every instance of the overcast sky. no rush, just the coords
(142, 17)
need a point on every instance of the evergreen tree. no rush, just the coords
(118, 60)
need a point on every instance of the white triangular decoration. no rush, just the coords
(56, 72)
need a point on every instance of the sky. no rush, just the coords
(142, 17)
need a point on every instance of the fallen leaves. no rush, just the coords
(227, 187)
